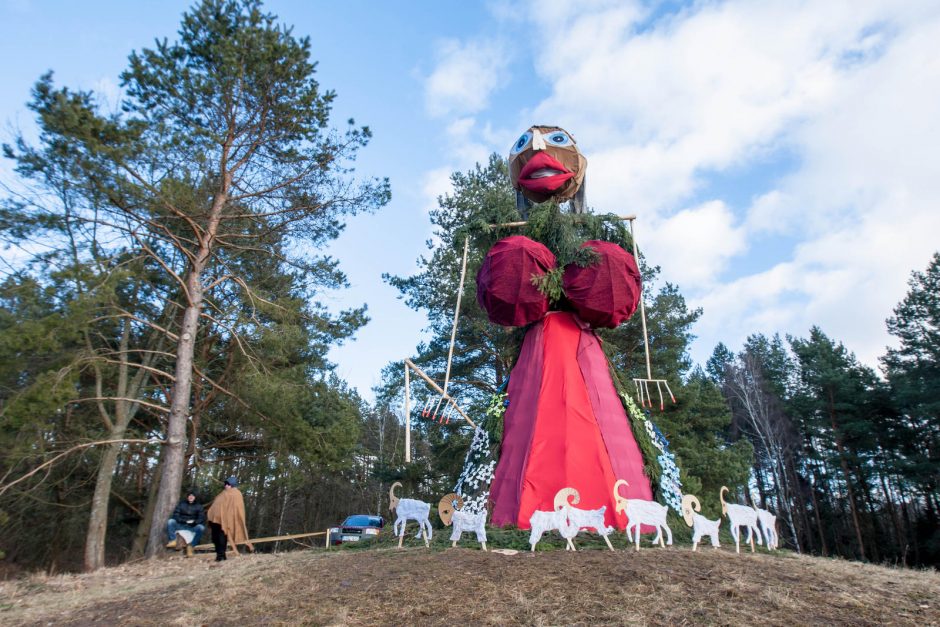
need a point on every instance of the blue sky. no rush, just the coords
(780, 156)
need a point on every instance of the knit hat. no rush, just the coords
(232, 481)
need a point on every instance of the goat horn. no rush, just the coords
(721, 497)
(620, 482)
(563, 496)
(446, 507)
(689, 503)
(392, 499)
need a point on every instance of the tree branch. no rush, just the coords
(5, 487)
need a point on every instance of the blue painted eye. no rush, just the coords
(521, 143)
(558, 138)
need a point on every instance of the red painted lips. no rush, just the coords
(543, 174)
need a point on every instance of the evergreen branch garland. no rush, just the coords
(564, 233)
(480, 463)
(664, 475)
(669, 484)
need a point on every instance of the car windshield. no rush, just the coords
(362, 521)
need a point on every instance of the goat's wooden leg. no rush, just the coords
(661, 543)
(609, 545)
(483, 544)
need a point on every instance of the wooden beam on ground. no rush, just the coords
(292, 536)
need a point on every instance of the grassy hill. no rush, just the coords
(382, 585)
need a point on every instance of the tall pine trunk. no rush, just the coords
(124, 410)
(98, 519)
(837, 435)
(816, 513)
(171, 478)
(894, 514)
(143, 527)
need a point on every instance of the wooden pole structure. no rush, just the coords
(435, 386)
(646, 341)
(407, 416)
(453, 331)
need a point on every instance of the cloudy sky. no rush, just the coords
(781, 157)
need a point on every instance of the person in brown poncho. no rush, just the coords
(226, 518)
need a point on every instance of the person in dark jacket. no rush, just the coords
(189, 515)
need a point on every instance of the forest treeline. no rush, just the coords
(161, 329)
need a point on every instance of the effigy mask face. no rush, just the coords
(545, 163)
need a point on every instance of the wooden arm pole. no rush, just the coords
(507, 225)
(453, 332)
(646, 341)
(407, 416)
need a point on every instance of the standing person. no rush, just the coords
(227, 519)
(189, 515)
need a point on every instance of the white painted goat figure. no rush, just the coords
(642, 512)
(701, 526)
(768, 525)
(451, 511)
(740, 516)
(586, 518)
(542, 521)
(409, 509)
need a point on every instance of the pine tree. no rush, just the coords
(833, 392)
(913, 371)
(222, 153)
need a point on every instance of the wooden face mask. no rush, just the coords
(545, 163)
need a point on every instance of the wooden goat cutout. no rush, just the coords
(450, 509)
(409, 509)
(542, 521)
(740, 516)
(701, 526)
(584, 518)
(768, 525)
(641, 512)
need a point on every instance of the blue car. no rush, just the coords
(356, 528)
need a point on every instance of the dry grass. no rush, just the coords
(466, 586)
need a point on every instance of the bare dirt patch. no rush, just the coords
(670, 586)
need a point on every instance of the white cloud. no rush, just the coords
(435, 183)
(846, 92)
(700, 241)
(768, 213)
(466, 75)
(467, 143)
